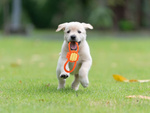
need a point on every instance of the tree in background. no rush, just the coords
(41, 12)
(5, 4)
(102, 14)
(130, 14)
(146, 13)
(12, 17)
(16, 15)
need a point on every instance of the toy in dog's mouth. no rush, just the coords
(73, 45)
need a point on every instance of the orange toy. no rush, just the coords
(72, 56)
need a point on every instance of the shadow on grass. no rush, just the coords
(35, 88)
(66, 90)
(44, 89)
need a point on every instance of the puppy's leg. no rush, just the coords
(61, 74)
(83, 73)
(75, 83)
(61, 81)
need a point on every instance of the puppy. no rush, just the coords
(74, 32)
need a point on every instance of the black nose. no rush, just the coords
(73, 37)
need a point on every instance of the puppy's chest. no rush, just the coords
(78, 65)
(79, 62)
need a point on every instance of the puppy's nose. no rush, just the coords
(73, 37)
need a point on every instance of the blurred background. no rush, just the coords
(22, 16)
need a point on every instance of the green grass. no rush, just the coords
(28, 82)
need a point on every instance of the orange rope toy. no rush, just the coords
(72, 56)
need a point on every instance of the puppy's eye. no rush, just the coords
(68, 31)
(79, 31)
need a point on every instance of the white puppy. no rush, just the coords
(74, 32)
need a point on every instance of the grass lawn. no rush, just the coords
(28, 82)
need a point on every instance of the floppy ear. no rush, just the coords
(87, 26)
(61, 26)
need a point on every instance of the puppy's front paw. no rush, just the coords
(64, 76)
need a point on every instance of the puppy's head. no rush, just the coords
(74, 32)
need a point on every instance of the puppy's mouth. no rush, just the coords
(73, 45)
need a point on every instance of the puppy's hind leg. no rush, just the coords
(83, 73)
(75, 83)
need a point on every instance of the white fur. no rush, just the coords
(85, 61)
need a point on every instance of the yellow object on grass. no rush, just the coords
(122, 79)
(139, 96)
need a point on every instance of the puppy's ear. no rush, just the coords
(87, 26)
(61, 26)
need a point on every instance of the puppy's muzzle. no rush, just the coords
(73, 45)
(73, 37)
